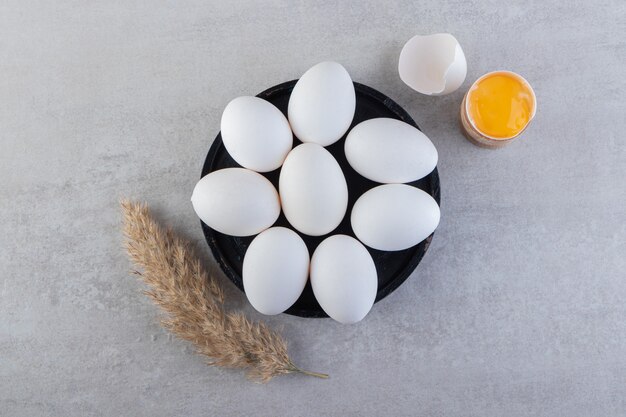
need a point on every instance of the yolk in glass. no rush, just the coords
(500, 105)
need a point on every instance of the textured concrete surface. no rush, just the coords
(517, 310)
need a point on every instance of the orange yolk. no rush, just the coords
(500, 105)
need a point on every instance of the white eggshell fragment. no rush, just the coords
(275, 270)
(394, 217)
(322, 104)
(313, 190)
(434, 65)
(255, 133)
(390, 151)
(236, 201)
(344, 279)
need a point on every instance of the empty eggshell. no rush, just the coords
(313, 190)
(434, 64)
(394, 217)
(322, 104)
(236, 201)
(275, 270)
(390, 151)
(255, 133)
(343, 278)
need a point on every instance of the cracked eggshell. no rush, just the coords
(322, 104)
(275, 270)
(255, 133)
(433, 64)
(236, 201)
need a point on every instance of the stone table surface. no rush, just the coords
(518, 308)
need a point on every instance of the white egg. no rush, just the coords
(394, 217)
(236, 201)
(322, 104)
(256, 134)
(390, 151)
(313, 190)
(434, 65)
(275, 270)
(344, 279)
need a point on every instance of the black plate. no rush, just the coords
(393, 267)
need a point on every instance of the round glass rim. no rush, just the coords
(490, 74)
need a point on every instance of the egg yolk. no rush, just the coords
(500, 105)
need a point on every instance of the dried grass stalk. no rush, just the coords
(194, 302)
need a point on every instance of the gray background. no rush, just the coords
(518, 309)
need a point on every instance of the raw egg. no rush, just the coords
(275, 270)
(236, 201)
(344, 279)
(390, 151)
(497, 108)
(313, 190)
(394, 217)
(322, 104)
(255, 133)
